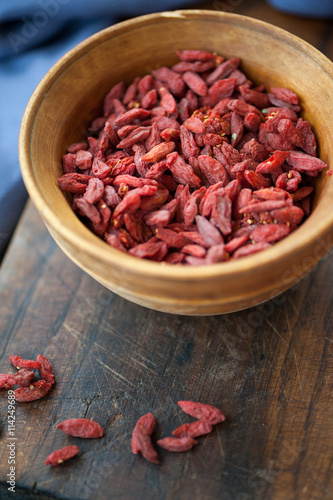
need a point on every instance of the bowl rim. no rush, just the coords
(301, 237)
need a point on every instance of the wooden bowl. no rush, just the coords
(70, 95)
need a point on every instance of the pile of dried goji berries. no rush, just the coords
(184, 435)
(194, 164)
(182, 440)
(28, 390)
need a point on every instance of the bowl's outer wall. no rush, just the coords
(71, 95)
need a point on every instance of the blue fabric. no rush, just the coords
(308, 8)
(34, 34)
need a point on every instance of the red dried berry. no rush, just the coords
(270, 233)
(36, 390)
(177, 444)
(202, 411)
(6, 381)
(195, 83)
(284, 94)
(23, 377)
(141, 438)
(60, 456)
(18, 362)
(159, 151)
(81, 427)
(45, 369)
(247, 250)
(193, 430)
(195, 55)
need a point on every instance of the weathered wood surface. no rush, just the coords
(270, 369)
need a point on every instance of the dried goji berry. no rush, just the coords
(309, 144)
(208, 232)
(181, 171)
(7, 381)
(100, 169)
(218, 91)
(60, 456)
(88, 210)
(287, 130)
(177, 444)
(288, 215)
(202, 411)
(302, 192)
(223, 70)
(141, 438)
(18, 362)
(71, 185)
(36, 390)
(195, 83)
(195, 55)
(270, 233)
(167, 100)
(193, 430)
(159, 151)
(171, 238)
(305, 163)
(196, 66)
(23, 377)
(222, 212)
(131, 115)
(81, 427)
(195, 250)
(173, 81)
(45, 369)
(247, 250)
(258, 99)
(83, 160)
(116, 92)
(94, 191)
(235, 243)
(152, 249)
(195, 125)
(263, 206)
(213, 170)
(284, 94)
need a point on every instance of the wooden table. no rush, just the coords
(269, 369)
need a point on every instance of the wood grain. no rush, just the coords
(269, 369)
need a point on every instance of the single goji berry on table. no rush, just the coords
(193, 429)
(81, 427)
(60, 456)
(202, 411)
(141, 438)
(177, 444)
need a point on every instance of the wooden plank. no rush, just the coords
(268, 368)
